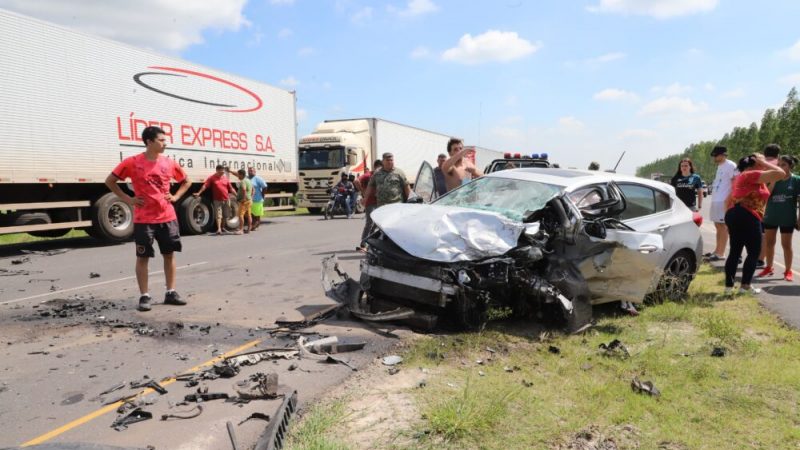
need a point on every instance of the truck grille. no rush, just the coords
(318, 183)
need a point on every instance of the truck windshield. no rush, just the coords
(321, 158)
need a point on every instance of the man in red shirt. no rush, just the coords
(370, 203)
(220, 188)
(153, 214)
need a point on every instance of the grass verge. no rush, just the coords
(510, 388)
(22, 238)
(313, 432)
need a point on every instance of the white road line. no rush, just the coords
(85, 286)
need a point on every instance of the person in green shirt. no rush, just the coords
(781, 214)
(244, 195)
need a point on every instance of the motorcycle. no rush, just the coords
(336, 202)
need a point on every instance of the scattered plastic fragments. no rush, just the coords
(554, 350)
(137, 415)
(190, 414)
(718, 352)
(392, 360)
(644, 387)
(258, 386)
(615, 348)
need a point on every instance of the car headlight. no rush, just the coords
(463, 277)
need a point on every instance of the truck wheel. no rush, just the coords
(232, 221)
(39, 218)
(314, 211)
(112, 219)
(196, 215)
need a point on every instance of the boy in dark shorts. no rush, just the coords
(153, 214)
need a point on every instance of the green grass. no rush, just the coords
(313, 431)
(295, 212)
(22, 238)
(747, 399)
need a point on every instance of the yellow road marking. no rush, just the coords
(78, 422)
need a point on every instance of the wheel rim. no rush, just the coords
(120, 216)
(677, 276)
(200, 215)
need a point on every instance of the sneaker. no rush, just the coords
(788, 275)
(750, 290)
(707, 255)
(767, 272)
(716, 257)
(760, 263)
(144, 303)
(173, 298)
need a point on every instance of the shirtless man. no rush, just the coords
(459, 169)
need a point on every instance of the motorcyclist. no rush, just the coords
(346, 189)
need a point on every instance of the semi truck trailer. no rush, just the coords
(73, 105)
(350, 145)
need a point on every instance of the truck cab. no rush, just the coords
(332, 148)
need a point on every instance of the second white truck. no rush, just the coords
(350, 145)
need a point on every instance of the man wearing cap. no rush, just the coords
(389, 185)
(723, 181)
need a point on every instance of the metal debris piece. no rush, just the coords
(644, 387)
(615, 348)
(333, 345)
(332, 359)
(718, 352)
(190, 414)
(205, 397)
(153, 384)
(255, 415)
(94, 275)
(116, 387)
(232, 435)
(274, 436)
(259, 386)
(392, 360)
(137, 415)
(253, 358)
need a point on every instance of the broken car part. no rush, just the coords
(255, 415)
(392, 360)
(205, 397)
(644, 387)
(615, 348)
(333, 344)
(258, 386)
(274, 436)
(190, 414)
(232, 435)
(137, 415)
(153, 384)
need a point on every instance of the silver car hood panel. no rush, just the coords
(447, 234)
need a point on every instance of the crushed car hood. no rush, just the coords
(446, 233)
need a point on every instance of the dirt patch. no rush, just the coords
(621, 437)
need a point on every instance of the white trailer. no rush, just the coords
(72, 106)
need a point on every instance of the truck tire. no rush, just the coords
(314, 211)
(232, 218)
(39, 218)
(112, 219)
(196, 215)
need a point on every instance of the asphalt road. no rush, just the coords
(55, 368)
(779, 296)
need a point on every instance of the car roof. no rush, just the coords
(570, 179)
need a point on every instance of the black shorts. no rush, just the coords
(784, 229)
(167, 235)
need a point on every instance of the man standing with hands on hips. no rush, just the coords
(153, 214)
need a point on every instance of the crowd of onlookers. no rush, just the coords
(751, 203)
(249, 197)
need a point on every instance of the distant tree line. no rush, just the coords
(781, 127)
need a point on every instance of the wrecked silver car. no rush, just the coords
(539, 241)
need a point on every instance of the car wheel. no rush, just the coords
(674, 282)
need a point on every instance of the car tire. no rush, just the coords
(674, 282)
(112, 219)
(232, 219)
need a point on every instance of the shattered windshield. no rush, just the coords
(511, 198)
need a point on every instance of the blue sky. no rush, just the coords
(582, 80)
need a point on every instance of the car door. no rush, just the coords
(425, 184)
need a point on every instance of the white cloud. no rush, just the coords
(733, 93)
(612, 95)
(420, 52)
(302, 114)
(491, 46)
(289, 81)
(670, 105)
(672, 89)
(305, 51)
(162, 25)
(793, 52)
(570, 123)
(362, 15)
(607, 58)
(660, 9)
(414, 8)
(792, 79)
(282, 2)
(285, 33)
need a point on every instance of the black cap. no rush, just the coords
(719, 150)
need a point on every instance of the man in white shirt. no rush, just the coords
(723, 183)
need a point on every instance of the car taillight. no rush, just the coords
(697, 218)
